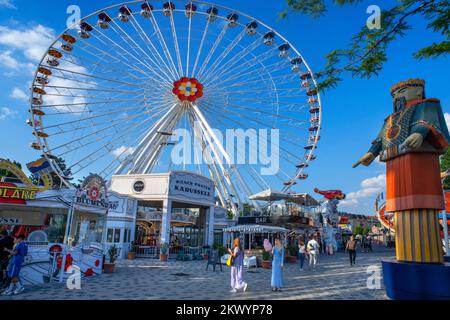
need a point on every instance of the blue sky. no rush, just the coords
(353, 112)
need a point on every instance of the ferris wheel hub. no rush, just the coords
(188, 89)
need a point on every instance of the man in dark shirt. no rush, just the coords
(6, 242)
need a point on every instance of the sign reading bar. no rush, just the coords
(275, 220)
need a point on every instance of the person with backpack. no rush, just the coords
(313, 250)
(18, 254)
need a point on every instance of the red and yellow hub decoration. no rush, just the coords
(188, 89)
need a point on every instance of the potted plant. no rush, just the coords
(132, 252)
(164, 252)
(113, 253)
(292, 257)
(266, 260)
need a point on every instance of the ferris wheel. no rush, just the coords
(111, 91)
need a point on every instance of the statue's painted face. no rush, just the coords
(406, 94)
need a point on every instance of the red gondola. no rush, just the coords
(302, 165)
(36, 112)
(314, 110)
(39, 91)
(68, 38)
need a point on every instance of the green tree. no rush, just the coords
(6, 174)
(445, 165)
(366, 53)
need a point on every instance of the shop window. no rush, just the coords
(117, 236)
(127, 236)
(110, 236)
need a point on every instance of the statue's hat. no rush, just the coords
(408, 83)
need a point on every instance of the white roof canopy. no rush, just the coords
(270, 195)
(300, 198)
(254, 228)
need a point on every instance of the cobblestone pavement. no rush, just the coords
(144, 279)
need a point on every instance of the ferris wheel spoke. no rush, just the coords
(235, 59)
(254, 82)
(158, 71)
(105, 146)
(146, 143)
(258, 110)
(252, 100)
(244, 66)
(156, 153)
(101, 115)
(128, 53)
(212, 51)
(213, 113)
(153, 51)
(222, 173)
(214, 106)
(200, 49)
(188, 54)
(106, 66)
(123, 59)
(245, 70)
(175, 42)
(84, 137)
(163, 43)
(90, 103)
(288, 153)
(108, 79)
(92, 89)
(149, 155)
(224, 54)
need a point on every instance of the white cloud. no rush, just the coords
(370, 188)
(19, 94)
(9, 4)
(6, 113)
(122, 152)
(32, 42)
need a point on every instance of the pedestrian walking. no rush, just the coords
(277, 266)
(18, 254)
(6, 242)
(369, 244)
(237, 268)
(313, 248)
(301, 253)
(351, 248)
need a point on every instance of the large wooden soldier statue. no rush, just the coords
(410, 142)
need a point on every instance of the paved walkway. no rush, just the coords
(151, 279)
